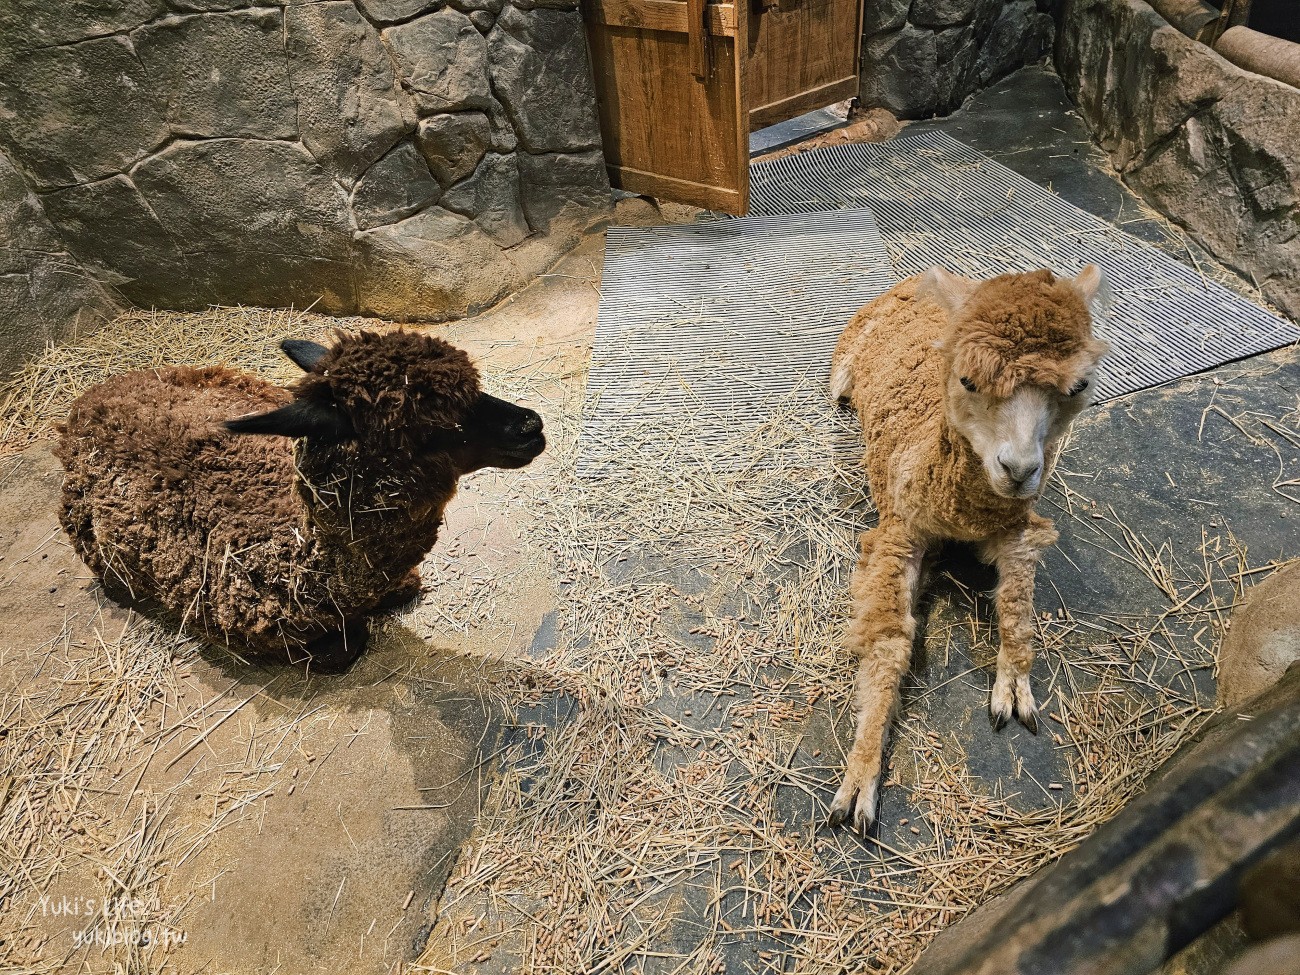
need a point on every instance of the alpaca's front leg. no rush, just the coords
(1017, 562)
(880, 635)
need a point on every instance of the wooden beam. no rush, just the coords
(665, 15)
(696, 40)
(787, 108)
(677, 190)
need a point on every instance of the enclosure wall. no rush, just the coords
(404, 158)
(923, 57)
(44, 292)
(1211, 146)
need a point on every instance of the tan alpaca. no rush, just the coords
(965, 389)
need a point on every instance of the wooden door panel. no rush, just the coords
(803, 54)
(667, 132)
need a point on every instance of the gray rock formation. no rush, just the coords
(435, 259)
(111, 230)
(44, 24)
(490, 198)
(394, 188)
(558, 184)
(245, 194)
(79, 112)
(942, 13)
(535, 60)
(415, 158)
(442, 62)
(1209, 145)
(1264, 639)
(394, 11)
(43, 290)
(453, 145)
(884, 15)
(923, 58)
(223, 74)
(257, 222)
(350, 107)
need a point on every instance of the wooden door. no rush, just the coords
(802, 55)
(681, 83)
(671, 89)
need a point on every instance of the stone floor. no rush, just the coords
(338, 860)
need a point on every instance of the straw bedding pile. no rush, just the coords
(100, 801)
(670, 753)
(660, 808)
(39, 394)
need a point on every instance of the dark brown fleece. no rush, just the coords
(397, 386)
(263, 540)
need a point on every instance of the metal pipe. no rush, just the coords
(1273, 57)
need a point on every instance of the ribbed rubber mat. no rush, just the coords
(706, 331)
(938, 201)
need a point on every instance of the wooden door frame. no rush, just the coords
(683, 47)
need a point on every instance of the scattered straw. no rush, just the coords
(661, 801)
(671, 755)
(39, 393)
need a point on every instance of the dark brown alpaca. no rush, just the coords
(286, 543)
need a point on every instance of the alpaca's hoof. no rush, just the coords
(1012, 697)
(1002, 704)
(1029, 720)
(855, 802)
(334, 653)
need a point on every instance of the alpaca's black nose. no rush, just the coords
(530, 425)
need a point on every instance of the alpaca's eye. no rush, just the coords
(967, 384)
(1078, 387)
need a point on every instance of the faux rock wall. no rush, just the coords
(923, 57)
(44, 292)
(406, 158)
(1211, 146)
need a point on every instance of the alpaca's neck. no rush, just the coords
(965, 502)
(372, 519)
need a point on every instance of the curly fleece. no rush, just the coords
(264, 540)
(1022, 328)
(1013, 329)
(894, 360)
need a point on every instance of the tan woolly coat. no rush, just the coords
(935, 365)
(920, 469)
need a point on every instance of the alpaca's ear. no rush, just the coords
(301, 418)
(1093, 286)
(304, 354)
(950, 291)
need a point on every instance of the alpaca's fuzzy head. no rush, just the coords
(404, 395)
(1019, 363)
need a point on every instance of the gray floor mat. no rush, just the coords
(707, 330)
(938, 201)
